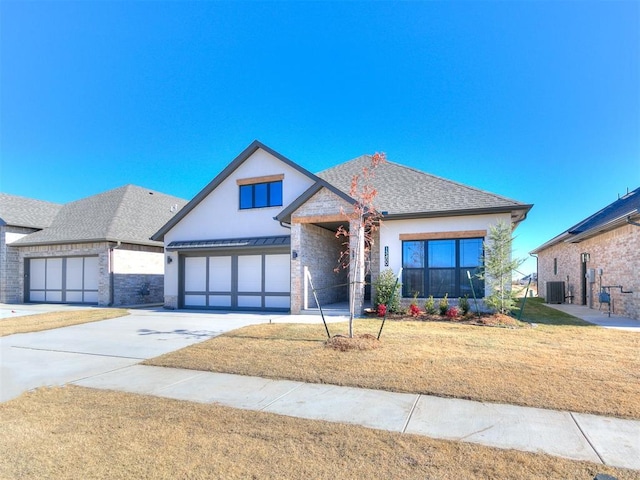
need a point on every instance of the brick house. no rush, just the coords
(96, 250)
(260, 230)
(601, 254)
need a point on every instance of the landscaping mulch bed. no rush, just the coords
(343, 343)
(484, 319)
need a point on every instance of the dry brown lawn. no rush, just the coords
(580, 369)
(47, 321)
(74, 433)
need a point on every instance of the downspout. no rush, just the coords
(535, 255)
(283, 224)
(631, 222)
(110, 270)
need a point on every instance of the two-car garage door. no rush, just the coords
(63, 280)
(237, 281)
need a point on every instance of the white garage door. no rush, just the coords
(237, 282)
(63, 280)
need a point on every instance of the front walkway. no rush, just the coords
(598, 317)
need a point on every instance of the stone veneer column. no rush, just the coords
(356, 266)
(297, 274)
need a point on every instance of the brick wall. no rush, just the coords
(567, 258)
(616, 252)
(324, 202)
(137, 289)
(10, 290)
(319, 250)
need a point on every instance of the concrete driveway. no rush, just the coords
(63, 355)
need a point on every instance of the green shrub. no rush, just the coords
(443, 305)
(430, 305)
(387, 292)
(464, 305)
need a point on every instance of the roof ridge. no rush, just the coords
(124, 191)
(431, 175)
(21, 197)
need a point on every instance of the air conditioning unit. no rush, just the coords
(555, 292)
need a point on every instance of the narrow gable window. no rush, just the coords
(259, 194)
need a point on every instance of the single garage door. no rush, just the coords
(237, 282)
(63, 280)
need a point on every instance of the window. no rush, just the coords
(259, 195)
(555, 266)
(439, 267)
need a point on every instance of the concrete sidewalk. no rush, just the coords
(598, 317)
(610, 441)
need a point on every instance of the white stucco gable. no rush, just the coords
(217, 215)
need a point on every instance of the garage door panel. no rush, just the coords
(250, 273)
(54, 273)
(277, 276)
(75, 273)
(220, 301)
(249, 301)
(195, 300)
(75, 297)
(53, 296)
(37, 296)
(277, 302)
(90, 297)
(37, 275)
(220, 274)
(91, 275)
(195, 274)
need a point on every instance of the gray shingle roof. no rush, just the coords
(128, 214)
(406, 191)
(26, 212)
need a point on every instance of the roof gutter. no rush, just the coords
(458, 213)
(616, 222)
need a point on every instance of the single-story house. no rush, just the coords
(96, 250)
(599, 255)
(264, 230)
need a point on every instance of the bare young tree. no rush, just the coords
(364, 221)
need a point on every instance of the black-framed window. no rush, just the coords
(259, 195)
(439, 267)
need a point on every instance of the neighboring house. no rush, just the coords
(601, 254)
(96, 250)
(252, 238)
(18, 217)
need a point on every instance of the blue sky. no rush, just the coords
(537, 101)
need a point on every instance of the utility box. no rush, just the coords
(555, 292)
(591, 275)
